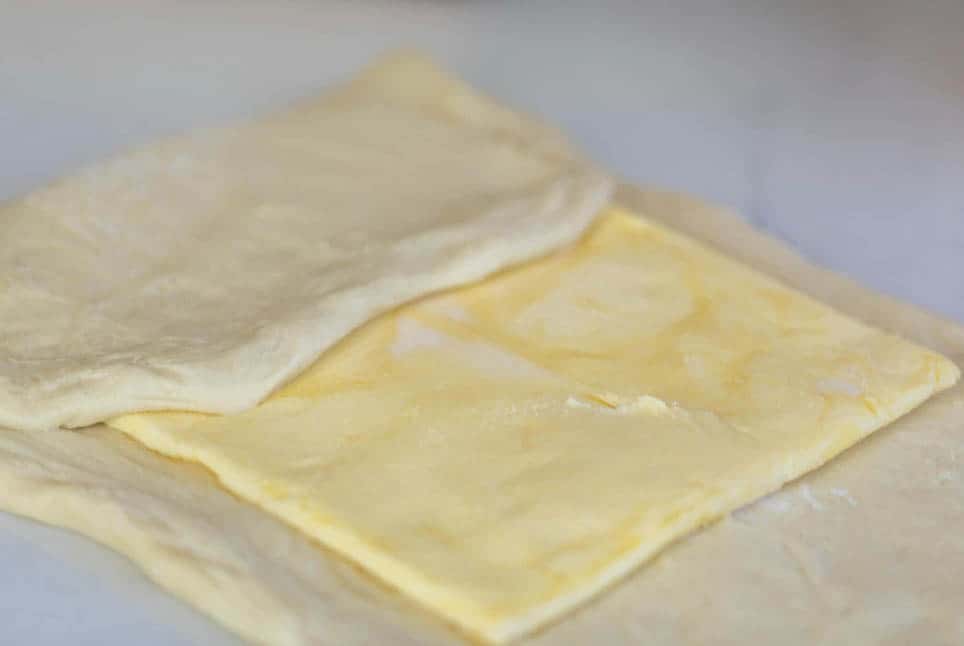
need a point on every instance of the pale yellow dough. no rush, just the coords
(503, 452)
(203, 271)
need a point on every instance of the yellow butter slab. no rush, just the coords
(503, 452)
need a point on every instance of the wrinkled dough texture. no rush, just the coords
(256, 576)
(505, 451)
(203, 271)
(856, 552)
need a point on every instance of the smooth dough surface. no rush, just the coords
(203, 271)
(503, 452)
(862, 551)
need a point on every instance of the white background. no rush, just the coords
(835, 125)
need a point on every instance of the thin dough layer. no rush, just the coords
(504, 452)
(202, 272)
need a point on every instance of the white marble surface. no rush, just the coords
(835, 125)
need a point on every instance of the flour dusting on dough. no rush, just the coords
(844, 494)
(807, 494)
(837, 386)
(411, 335)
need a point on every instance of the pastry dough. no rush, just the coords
(503, 452)
(856, 552)
(201, 272)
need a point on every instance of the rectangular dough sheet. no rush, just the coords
(863, 550)
(203, 271)
(503, 452)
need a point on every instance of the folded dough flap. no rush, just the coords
(202, 271)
